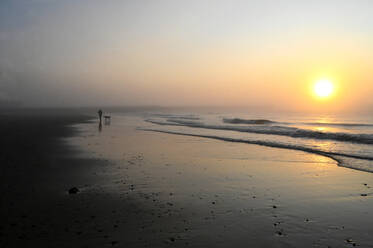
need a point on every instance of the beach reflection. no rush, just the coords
(327, 146)
(321, 129)
(100, 127)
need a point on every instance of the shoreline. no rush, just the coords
(331, 155)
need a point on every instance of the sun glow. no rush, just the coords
(323, 88)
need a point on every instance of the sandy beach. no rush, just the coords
(146, 189)
(208, 193)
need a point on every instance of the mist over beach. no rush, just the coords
(186, 123)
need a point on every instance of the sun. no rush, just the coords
(323, 88)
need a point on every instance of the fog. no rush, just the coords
(185, 53)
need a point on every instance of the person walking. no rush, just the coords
(100, 115)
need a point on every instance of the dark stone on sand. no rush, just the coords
(350, 241)
(274, 206)
(73, 190)
(364, 194)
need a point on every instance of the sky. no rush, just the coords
(186, 53)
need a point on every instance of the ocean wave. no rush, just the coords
(184, 122)
(338, 124)
(245, 121)
(265, 121)
(171, 116)
(277, 130)
(336, 156)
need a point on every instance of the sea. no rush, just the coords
(346, 139)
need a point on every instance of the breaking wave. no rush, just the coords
(245, 121)
(338, 124)
(276, 130)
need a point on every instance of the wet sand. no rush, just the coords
(146, 189)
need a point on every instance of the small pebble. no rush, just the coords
(73, 190)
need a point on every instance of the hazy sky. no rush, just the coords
(262, 53)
